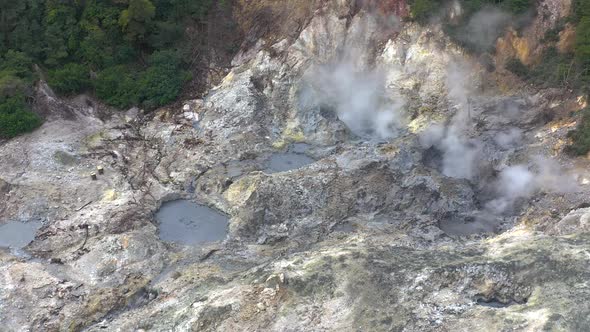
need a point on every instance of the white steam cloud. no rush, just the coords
(359, 98)
(516, 182)
(485, 27)
(513, 183)
(460, 152)
(462, 155)
(509, 138)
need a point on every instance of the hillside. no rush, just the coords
(393, 165)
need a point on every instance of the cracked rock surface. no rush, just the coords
(370, 236)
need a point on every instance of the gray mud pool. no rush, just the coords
(293, 159)
(17, 235)
(189, 223)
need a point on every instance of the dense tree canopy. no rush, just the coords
(422, 10)
(135, 20)
(583, 39)
(125, 51)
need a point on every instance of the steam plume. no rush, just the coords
(359, 98)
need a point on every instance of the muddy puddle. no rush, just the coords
(346, 228)
(494, 303)
(468, 226)
(294, 158)
(17, 235)
(189, 223)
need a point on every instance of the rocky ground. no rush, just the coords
(375, 235)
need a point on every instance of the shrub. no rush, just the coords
(155, 86)
(581, 8)
(554, 69)
(518, 68)
(162, 81)
(10, 84)
(117, 86)
(160, 85)
(421, 10)
(580, 136)
(136, 19)
(71, 78)
(517, 6)
(18, 64)
(165, 34)
(582, 46)
(552, 35)
(124, 54)
(15, 118)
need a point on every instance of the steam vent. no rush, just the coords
(294, 165)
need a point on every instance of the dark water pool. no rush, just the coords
(282, 162)
(468, 226)
(294, 158)
(16, 235)
(189, 223)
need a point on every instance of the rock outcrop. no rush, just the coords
(378, 234)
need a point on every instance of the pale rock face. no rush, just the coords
(379, 233)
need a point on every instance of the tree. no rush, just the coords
(72, 38)
(581, 8)
(9, 14)
(517, 6)
(28, 35)
(10, 84)
(69, 79)
(583, 40)
(580, 136)
(62, 33)
(162, 81)
(423, 9)
(197, 9)
(101, 34)
(15, 118)
(165, 34)
(136, 19)
(18, 64)
(117, 86)
(21, 26)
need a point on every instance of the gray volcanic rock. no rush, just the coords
(375, 234)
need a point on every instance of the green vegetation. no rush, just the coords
(517, 67)
(555, 69)
(69, 79)
(566, 70)
(421, 10)
(581, 63)
(581, 8)
(474, 31)
(570, 70)
(582, 48)
(162, 81)
(516, 6)
(117, 86)
(136, 19)
(580, 136)
(16, 76)
(159, 84)
(15, 118)
(128, 52)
